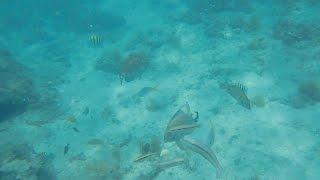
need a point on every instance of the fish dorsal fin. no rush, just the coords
(240, 86)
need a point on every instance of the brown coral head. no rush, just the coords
(133, 66)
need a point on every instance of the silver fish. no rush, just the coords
(170, 163)
(178, 132)
(143, 92)
(182, 117)
(204, 151)
(211, 135)
(144, 157)
(186, 127)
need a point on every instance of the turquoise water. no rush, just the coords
(171, 89)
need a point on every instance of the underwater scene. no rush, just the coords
(160, 89)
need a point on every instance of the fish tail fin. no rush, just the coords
(219, 172)
(211, 124)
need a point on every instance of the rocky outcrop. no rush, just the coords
(16, 87)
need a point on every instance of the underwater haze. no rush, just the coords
(159, 89)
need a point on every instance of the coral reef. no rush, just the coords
(128, 68)
(133, 66)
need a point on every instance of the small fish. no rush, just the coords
(143, 92)
(238, 92)
(211, 135)
(37, 123)
(205, 152)
(170, 163)
(95, 142)
(66, 149)
(96, 40)
(98, 167)
(75, 129)
(144, 157)
(72, 119)
(85, 111)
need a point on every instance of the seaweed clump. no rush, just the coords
(308, 94)
(128, 69)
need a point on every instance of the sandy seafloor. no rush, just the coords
(191, 49)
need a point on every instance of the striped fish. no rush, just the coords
(204, 151)
(186, 127)
(144, 157)
(177, 132)
(96, 40)
(238, 92)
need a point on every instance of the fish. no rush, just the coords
(75, 129)
(181, 119)
(85, 111)
(238, 92)
(78, 157)
(204, 151)
(178, 132)
(37, 123)
(97, 167)
(96, 40)
(72, 119)
(95, 142)
(211, 135)
(144, 157)
(143, 92)
(66, 149)
(170, 163)
(184, 127)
